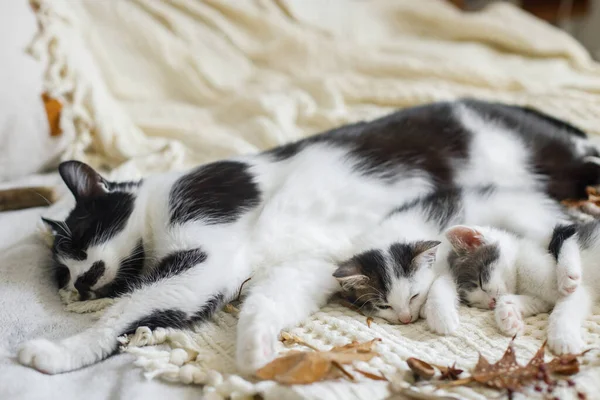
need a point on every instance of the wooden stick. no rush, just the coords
(27, 197)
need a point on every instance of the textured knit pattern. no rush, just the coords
(152, 86)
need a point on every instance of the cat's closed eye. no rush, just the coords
(414, 297)
(384, 307)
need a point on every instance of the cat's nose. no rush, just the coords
(492, 303)
(405, 318)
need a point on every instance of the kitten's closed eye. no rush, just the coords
(384, 307)
(414, 297)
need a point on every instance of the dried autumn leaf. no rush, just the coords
(369, 321)
(53, 109)
(371, 376)
(421, 368)
(308, 367)
(508, 374)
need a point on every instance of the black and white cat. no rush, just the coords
(528, 279)
(175, 247)
(403, 268)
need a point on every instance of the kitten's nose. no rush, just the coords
(492, 303)
(405, 318)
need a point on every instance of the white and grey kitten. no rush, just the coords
(526, 279)
(402, 268)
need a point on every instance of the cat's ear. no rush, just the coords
(55, 227)
(82, 180)
(464, 238)
(349, 274)
(425, 252)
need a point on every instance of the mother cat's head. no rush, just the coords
(96, 251)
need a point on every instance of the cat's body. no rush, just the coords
(175, 247)
(395, 263)
(563, 277)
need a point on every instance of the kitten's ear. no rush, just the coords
(425, 252)
(82, 180)
(464, 238)
(55, 226)
(349, 274)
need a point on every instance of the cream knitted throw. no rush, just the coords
(155, 85)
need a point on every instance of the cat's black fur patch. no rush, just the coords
(559, 235)
(178, 262)
(554, 154)
(178, 319)
(431, 138)
(61, 274)
(128, 275)
(209, 308)
(216, 193)
(440, 207)
(93, 221)
(89, 279)
(161, 319)
(402, 256)
(415, 138)
(372, 265)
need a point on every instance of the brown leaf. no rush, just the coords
(371, 376)
(53, 110)
(508, 374)
(309, 367)
(369, 321)
(421, 368)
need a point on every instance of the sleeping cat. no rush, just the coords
(401, 268)
(528, 279)
(175, 247)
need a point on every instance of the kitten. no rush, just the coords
(173, 248)
(526, 279)
(402, 268)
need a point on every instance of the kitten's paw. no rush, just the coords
(255, 348)
(568, 281)
(45, 356)
(565, 340)
(441, 320)
(508, 317)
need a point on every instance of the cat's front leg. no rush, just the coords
(284, 297)
(441, 306)
(564, 324)
(175, 301)
(511, 308)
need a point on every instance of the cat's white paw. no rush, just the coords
(565, 340)
(508, 317)
(441, 320)
(45, 356)
(255, 348)
(568, 281)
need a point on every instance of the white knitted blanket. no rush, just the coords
(150, 86)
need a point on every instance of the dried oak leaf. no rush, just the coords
(307, 367)
(508, 374)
